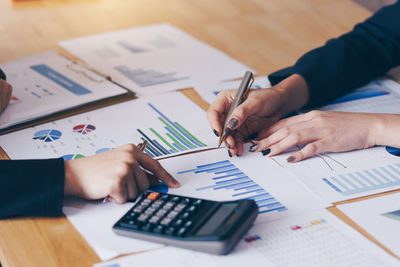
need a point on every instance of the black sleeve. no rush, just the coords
(2, 75)
(343, 64)
(31, 187)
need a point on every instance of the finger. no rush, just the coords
(218, 109)
(249, 107)
(239, 144)
(309, 150)
(140, 178)
(292, 139)
(119, 194)
(132, 186)
(155, 167)
(153, 180)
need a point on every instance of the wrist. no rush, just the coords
(69, 179)
(294, 93)
(384, 130)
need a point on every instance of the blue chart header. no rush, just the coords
(61, 80)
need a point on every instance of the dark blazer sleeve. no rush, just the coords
(2, 75)
(31, 187)
(343, 64)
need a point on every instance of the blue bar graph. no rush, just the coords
(365, 180)
(240, 186)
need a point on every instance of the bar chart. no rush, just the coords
(145, 78)
(174, 139)
(365, 180)
(228, 177)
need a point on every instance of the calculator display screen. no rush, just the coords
(217, 220)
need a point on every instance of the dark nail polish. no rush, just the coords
(254, 147)
(216, 133)
(232, 123)
(252, 136)
(291, 159)
(266, 151)
(229, 153)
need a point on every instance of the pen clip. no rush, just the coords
(246, 94)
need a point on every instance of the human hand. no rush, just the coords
(5, 94)
(120, 174)
(321, 131)
(260, 110)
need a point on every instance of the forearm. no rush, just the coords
(31, 187)
(350, 61)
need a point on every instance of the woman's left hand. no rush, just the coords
(321, 131)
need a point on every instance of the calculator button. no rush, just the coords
(179, 207)
(188, 224)
(138, 209)
(153, 195)
(192, 208)
(146, 201)
(178, 222)
(150, 210)
(170, 230)
(172, 214)
(185, 215)
(182, 231)
(143, 218)
(146, 227)
(197, 202)
(169, 205)
(154, 219)
(161, 212)
(166, 221)
(164, 197)
(186, 200)
(175, 199)
(159, 229)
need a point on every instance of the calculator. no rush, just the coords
(198, 224)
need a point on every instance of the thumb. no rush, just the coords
(242, 112)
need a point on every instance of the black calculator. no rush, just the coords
(191, 223)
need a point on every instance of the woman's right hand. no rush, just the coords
(261, 109)
(5, 94)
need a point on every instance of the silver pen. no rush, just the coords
(240, 97)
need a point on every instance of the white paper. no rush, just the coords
(209, 91)
(94, 221)
(153, 59)
(47, 83)
(276, 191)
(106, 128)
(380, 217)
(313, 239)
(379, 96)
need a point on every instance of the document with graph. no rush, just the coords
(311, 240)
(209, 91)
(48, 83)
(214, 175)
(155, 58)
(171, 123)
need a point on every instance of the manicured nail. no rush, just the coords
(252, 136)
(232, 123)
(291, 159)
(229, 153)
(254, 148)
(216, 133)
(266, 151)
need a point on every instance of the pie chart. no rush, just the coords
(47, 135)
(84, 128)
(73, 156)
(393, 150)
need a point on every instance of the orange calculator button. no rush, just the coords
(153, 195)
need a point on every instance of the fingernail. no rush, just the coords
(177, 184)
(232, 123)
(291, 159)
(216, 133)
(229, 153)
(227, 145)
(252, 136)
(266, 151)
(254, 148)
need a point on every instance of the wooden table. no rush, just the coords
(264, 34)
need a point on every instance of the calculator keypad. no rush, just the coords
(162, 214)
